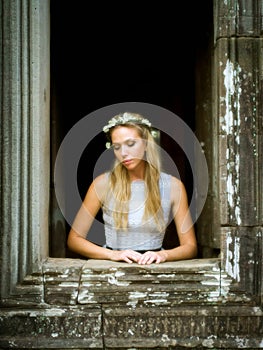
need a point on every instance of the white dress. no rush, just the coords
(139, 235)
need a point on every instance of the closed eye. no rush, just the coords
(129, 143)
(116, 147)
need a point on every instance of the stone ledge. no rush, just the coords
(190, 327)
(98, 304)
(119, 327)
(96, 282)
(77, 281)
(51, 328)
(72, 282)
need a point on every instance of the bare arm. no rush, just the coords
(77, 241)
(184, 225)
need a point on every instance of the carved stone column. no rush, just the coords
(229, 123)
(238, 129)
(24, 140)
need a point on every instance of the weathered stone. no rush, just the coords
(69, 303)
(51, 328)
(240, 249)
(61, 280)
(165, 284)
(237, 18)
(210, 327)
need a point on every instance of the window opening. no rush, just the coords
(90, 71)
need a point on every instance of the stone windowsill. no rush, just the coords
(96, 282)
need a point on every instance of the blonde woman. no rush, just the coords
(136, 198)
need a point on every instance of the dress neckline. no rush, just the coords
(137, 180)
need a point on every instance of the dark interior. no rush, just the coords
(103, 54)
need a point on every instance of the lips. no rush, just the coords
(126, 161)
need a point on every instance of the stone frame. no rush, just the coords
(24, 135)
(33, 285)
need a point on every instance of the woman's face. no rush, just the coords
(128, 146)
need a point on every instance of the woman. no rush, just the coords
(136, 198)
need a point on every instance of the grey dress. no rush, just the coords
(139, 235)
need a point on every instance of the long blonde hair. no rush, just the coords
(120, 185)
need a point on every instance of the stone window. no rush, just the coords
(164, 79)
(228, 119)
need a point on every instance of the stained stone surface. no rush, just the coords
(97, 304)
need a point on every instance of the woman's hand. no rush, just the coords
(131, 256)
(128, 255)
(152, 257)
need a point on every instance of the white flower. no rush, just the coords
(124, 120)
(106, 128)
(146, 122)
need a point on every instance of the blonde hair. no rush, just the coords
(119, 184)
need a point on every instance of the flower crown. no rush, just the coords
(126, 118)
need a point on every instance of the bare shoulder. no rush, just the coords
(177, 184)
(101, 179)
(177, 190)
(100, 185)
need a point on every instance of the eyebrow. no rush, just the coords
(119, 143)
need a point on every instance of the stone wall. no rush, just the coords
(100, 304)
(72, 303)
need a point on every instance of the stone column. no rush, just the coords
(238, 128)
(24, 139)
(229, 123)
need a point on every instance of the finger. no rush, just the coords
(158, 260)
(144, 259)
(136, 257)
(140, 261)
(132, 256)
(137, 254)
(150, 260)
(127, 260)
(125, 257)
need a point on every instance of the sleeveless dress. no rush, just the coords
(140, 235)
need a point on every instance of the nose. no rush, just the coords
(123, 150)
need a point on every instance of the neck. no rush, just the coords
(137, 174)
